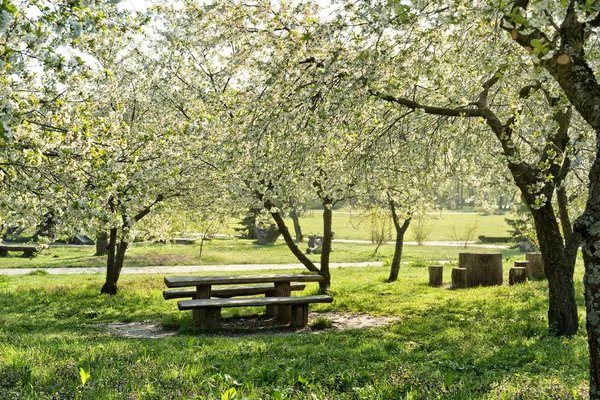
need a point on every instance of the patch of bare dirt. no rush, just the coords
(343, 321)
(139, 330)
(233, 327)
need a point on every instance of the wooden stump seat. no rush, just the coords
(212, 307)
(517, 275)
(523, 264)
(459, 278)
(536, 265)
(436, 273)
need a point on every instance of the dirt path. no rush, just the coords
(236, 327)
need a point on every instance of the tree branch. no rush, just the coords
(449, 112)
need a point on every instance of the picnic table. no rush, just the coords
(206, 310)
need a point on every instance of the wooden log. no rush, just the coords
(483, 269)
(200, 316)
(517, 275)
(536, 265)
(283, 313)
(436, 273)
(522, 264)
(299, 315)
(212, 319)
(459, 278)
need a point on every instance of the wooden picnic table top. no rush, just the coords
(183, 281)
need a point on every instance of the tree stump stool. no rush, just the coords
(436, 275)
(522, 264)
(459, 278)
(483, 269)
(536, 265)
(517, 275)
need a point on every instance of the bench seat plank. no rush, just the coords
(233, 291)
(249, 302)
(184, 281)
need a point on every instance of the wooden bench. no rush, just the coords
(210, 318)
(28, 250)
(235, 291)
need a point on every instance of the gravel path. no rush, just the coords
(179, 269)
(190, 269)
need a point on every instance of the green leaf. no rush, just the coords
(84, 373)
(11, 8)
(229, 394)
(448, 379)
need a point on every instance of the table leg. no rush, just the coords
(300, 315)
(282, 289)
(212, 319)
(201, 316)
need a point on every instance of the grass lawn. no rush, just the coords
(446, 226)
(221, 251)
(482, 343)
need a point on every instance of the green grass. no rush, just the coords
(482, 343)
(222, 251)
(445, 226)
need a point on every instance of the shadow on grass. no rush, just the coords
(474, 343)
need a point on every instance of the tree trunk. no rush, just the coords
(297, 228)
(285, 232)
(580, 85)
(326, 248)
(400, 231)
(110, 286)
(102, 240)
(587, 227)
(563, 212)
(114, 263)
(562, 309)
